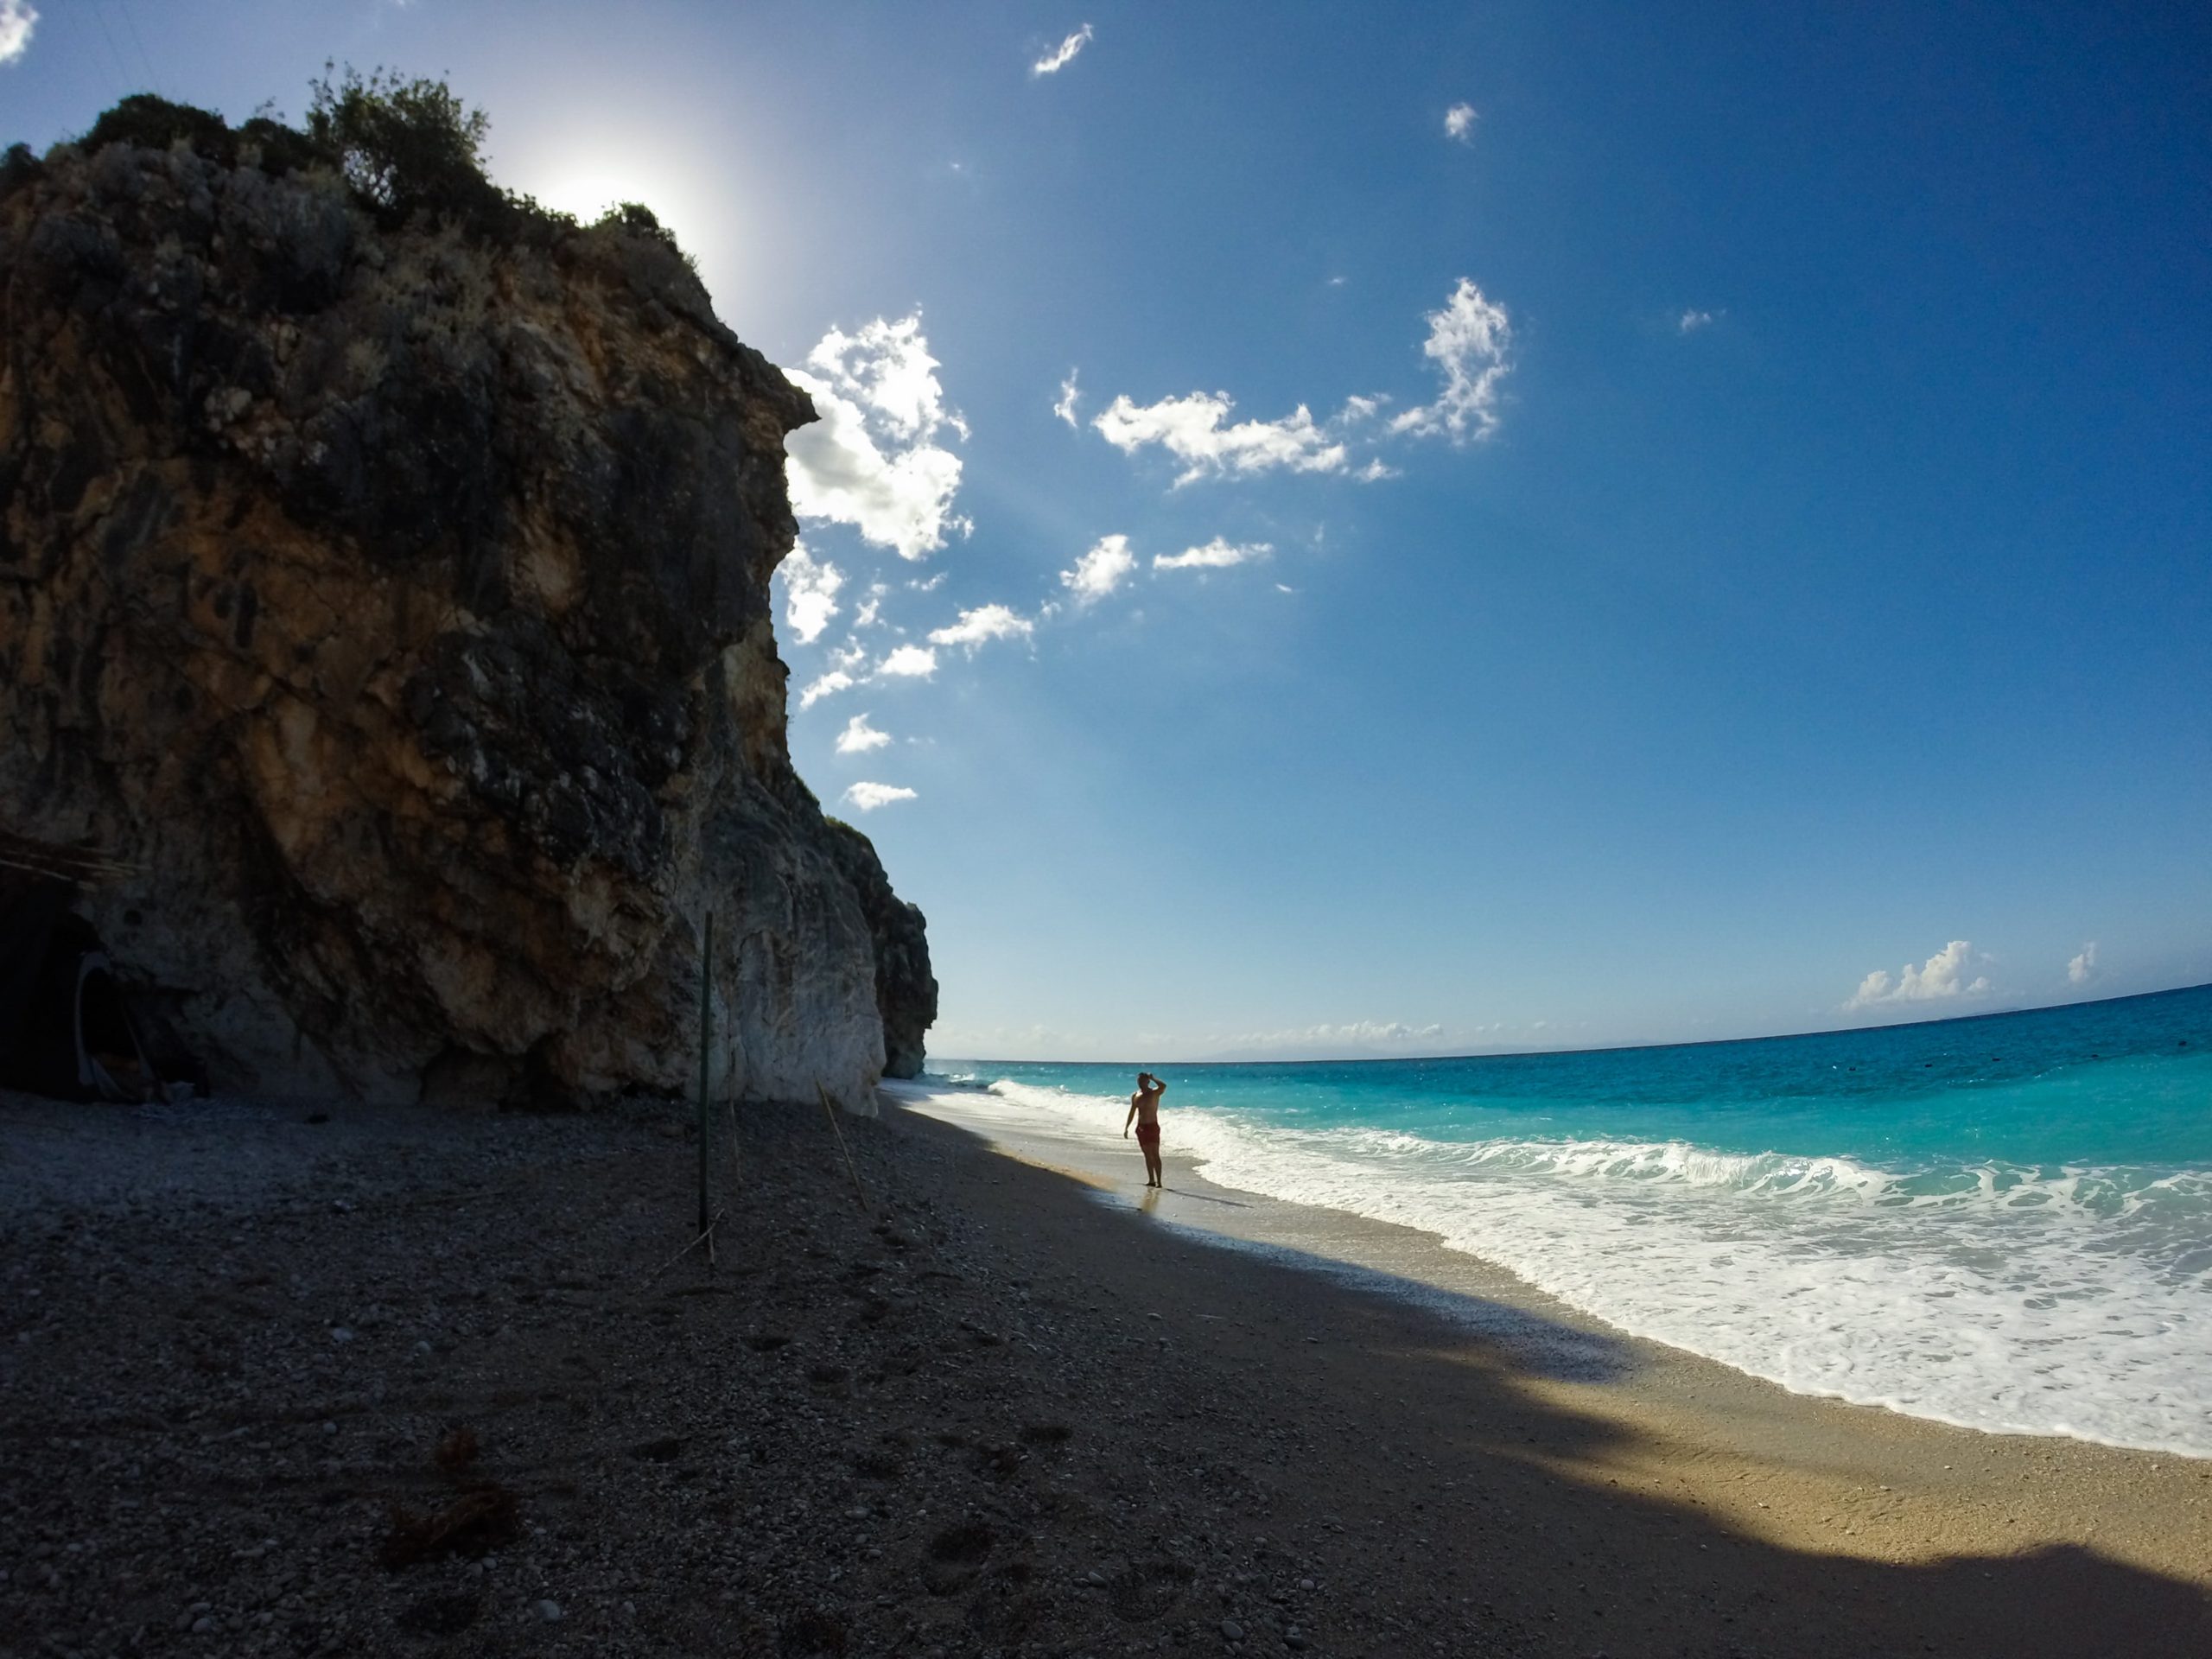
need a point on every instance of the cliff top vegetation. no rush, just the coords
(407, 150)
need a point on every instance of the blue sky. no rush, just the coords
(1742, 564)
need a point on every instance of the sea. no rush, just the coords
(2003, 1223)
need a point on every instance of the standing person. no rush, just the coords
(1144, 1109)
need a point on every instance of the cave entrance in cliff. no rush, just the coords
(68, 1027)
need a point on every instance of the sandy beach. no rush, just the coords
(1007, 1406)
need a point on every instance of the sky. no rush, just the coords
(1396, 529)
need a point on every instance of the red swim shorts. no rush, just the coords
(1148, 1135)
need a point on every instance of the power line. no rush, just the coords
(122, 69)
(131, 22)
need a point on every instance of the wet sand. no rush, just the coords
(2005, 1538)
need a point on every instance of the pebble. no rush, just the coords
(1231, 1631)
(339, 1333)
(549, 1610)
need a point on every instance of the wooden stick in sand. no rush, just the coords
(706, 1039)
(706, 1237)
(830, 1111)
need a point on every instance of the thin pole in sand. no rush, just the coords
(706, 1110)
(830, 1111)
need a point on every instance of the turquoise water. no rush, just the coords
(2004, 1222)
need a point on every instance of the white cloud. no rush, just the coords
(871, 610)
(1459, 123)
(1101, 570)
(1216, 555)
(1943, 975)
(825, 685)
(1690, 321)
(1470, 339)
(859, 737)
(908, 662)
(809, 592)
(1191, 428)
(927, 584)
(873, 459)
(1052, 62)
(1064, 408)
(17, 19)
(841, 676)
(2083, 968)
(985, 622)
(869, 797)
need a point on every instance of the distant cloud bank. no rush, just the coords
(1943, 975)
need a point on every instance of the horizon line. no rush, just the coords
(1623, 1048)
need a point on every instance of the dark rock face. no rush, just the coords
(397, 604)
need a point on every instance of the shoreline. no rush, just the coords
(2172, 1420)
(1732, 1426)
(972, 1409)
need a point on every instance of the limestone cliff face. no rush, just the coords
(397, 604)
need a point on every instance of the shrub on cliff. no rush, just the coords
(404, 148)
(403, 145)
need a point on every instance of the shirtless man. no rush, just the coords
(1144, 1111)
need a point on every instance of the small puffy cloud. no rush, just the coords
(842, 675)
(827, 684)
(871, 608)
(1459, 123)
(1470, 340)
(17, 19)
(2083, 968)
(1064, 408)
(1216, 555)
(1058, 58)
(908, 663)
(867, 796)
(859, 737)
(1942, 975)
(982, 625)
(1100, 571)
(1195, 429)
(873, 459)
(811, 587)
(1690, 321)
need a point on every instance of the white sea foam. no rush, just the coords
(2073, 1302)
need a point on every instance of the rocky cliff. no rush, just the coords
(392, 601)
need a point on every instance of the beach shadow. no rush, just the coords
(1407, 1438)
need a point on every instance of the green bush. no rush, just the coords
(402, 145)
(152, 123)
